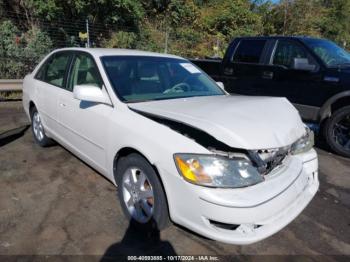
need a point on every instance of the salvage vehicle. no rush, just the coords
(236, 169)
(313, 74)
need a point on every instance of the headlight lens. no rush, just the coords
(304, 144)
(216, 171)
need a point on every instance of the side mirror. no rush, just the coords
(221, 85)
(303, 64)
(91, 93)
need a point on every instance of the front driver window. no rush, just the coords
(286, 51)
(84, 72)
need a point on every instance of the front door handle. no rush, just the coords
(228, 71)
(267, 75)
(62, 104)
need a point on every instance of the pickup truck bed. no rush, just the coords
(211, 66)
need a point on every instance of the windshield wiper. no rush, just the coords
(169, 98)
(342, 64)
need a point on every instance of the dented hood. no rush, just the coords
(239, 121)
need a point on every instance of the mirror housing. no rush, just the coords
(303, 64)
(221, 85)
(91, 93)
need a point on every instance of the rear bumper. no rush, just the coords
(25, 103)
(217, 215)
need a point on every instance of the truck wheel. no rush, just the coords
(38, 129)
(337, 131)
(141, 194)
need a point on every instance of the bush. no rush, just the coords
(21, 52)
(121, 39)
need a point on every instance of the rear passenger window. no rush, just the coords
(249, 51)
(56, 69)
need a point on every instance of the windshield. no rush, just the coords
(329, 52)
(144, 78)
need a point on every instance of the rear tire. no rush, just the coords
(38, 129)
(141, 193)
(337, 131)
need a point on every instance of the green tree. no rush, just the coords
(264, 9)
(298, 17)
(19, 52)
(10, 50)
(182, 12)
(121, 39)
(232, 18)
(336, 23)
(63, 20)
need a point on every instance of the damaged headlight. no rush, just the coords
(217, 171)
(304, 144)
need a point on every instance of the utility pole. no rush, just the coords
(166, 40)
(88, 34)
(286, 3)
(165, 24)
(217, 48)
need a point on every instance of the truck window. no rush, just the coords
(249, 51)
(286, 51)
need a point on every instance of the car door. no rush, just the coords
(83, 124)
(299, 85)
(243, 70)
(50, 79)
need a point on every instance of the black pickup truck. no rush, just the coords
(314, 74)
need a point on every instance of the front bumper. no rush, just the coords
(247, 215)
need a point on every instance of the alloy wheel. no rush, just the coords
(38, 127)
(138, 195)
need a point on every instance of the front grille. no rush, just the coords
(268, 159)
(273, 157)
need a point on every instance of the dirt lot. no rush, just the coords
(52, 203)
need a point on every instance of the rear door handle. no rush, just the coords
(62, 104)
(267, 75)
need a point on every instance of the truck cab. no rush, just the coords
(312, 73)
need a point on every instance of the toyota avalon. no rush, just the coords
(236, 169)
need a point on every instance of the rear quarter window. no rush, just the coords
(249, 51)
(41, 72)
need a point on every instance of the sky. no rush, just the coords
(273, 1)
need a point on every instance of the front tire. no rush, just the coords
(141, 194)
(38, 129)
(337, 131)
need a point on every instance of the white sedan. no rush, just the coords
(235, 169)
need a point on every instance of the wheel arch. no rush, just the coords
(31, 105)
(334, 103)
(127, 151)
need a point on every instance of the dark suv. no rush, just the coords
(314, 74)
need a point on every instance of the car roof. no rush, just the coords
(99, 52)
